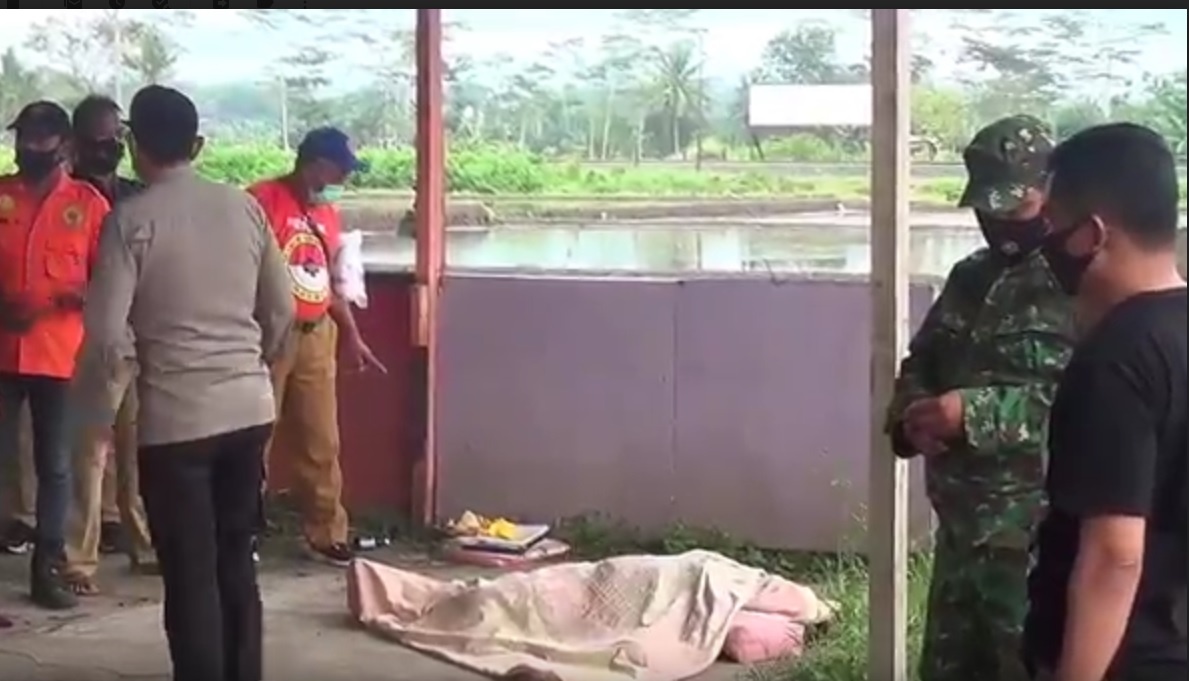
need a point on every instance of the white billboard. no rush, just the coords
(807, 106)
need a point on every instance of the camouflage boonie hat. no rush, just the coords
(1005, 160)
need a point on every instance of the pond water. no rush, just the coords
(838, 244)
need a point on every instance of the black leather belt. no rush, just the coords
(310, 327)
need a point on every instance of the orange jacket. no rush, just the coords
(47, 250)
(309, 237)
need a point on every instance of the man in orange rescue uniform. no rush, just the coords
(49, 228)
(301, 210)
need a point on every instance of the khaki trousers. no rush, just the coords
(307, 430)
(96, 452)
(111, 507)
(19, 476)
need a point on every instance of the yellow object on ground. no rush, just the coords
(475, 525)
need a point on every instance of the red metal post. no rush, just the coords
(430, 209)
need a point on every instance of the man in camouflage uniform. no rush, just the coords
(973, 398)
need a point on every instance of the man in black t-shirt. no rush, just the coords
(1110, 566)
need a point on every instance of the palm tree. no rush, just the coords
(153, 55)
(677, 87)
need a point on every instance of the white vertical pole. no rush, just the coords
(887, 541)
(283, 96)
(118, 47)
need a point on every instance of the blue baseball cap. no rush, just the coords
(334, 145)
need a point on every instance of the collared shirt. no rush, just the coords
(309, 237)
(193, 267)
(47, 249)
(124, 188)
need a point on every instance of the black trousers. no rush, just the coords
(202, 500)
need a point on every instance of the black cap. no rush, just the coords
(42, 118)
(162, 112)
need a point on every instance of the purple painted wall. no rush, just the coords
(741, 404)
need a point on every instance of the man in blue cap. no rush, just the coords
(302, 212)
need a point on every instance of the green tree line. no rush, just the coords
(635, 92)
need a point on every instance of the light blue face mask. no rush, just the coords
(331, 193)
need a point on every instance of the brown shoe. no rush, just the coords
(338, 555)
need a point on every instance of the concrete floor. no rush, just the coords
(308, 632)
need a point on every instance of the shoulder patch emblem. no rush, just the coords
(72, 216)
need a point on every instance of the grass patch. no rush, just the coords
(838, 652)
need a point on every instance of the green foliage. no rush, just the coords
(807, 149)
(647, 85)
(502, 170)
(243, 165)
(492, 169)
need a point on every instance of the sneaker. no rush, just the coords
(17, 538)
(256, 550)
(111, 538)
(338, 555)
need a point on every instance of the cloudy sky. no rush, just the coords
(222, 45)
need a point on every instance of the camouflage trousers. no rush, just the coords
(977, 602)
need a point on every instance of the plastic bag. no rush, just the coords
(348, 269)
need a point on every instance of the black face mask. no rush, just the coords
(100, 158)
(1068, 270)
(1013, 238)
(35, 165)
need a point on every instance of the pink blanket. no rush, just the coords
(633, 617)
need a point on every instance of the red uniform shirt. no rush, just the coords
(309, 237)
(47, 249)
